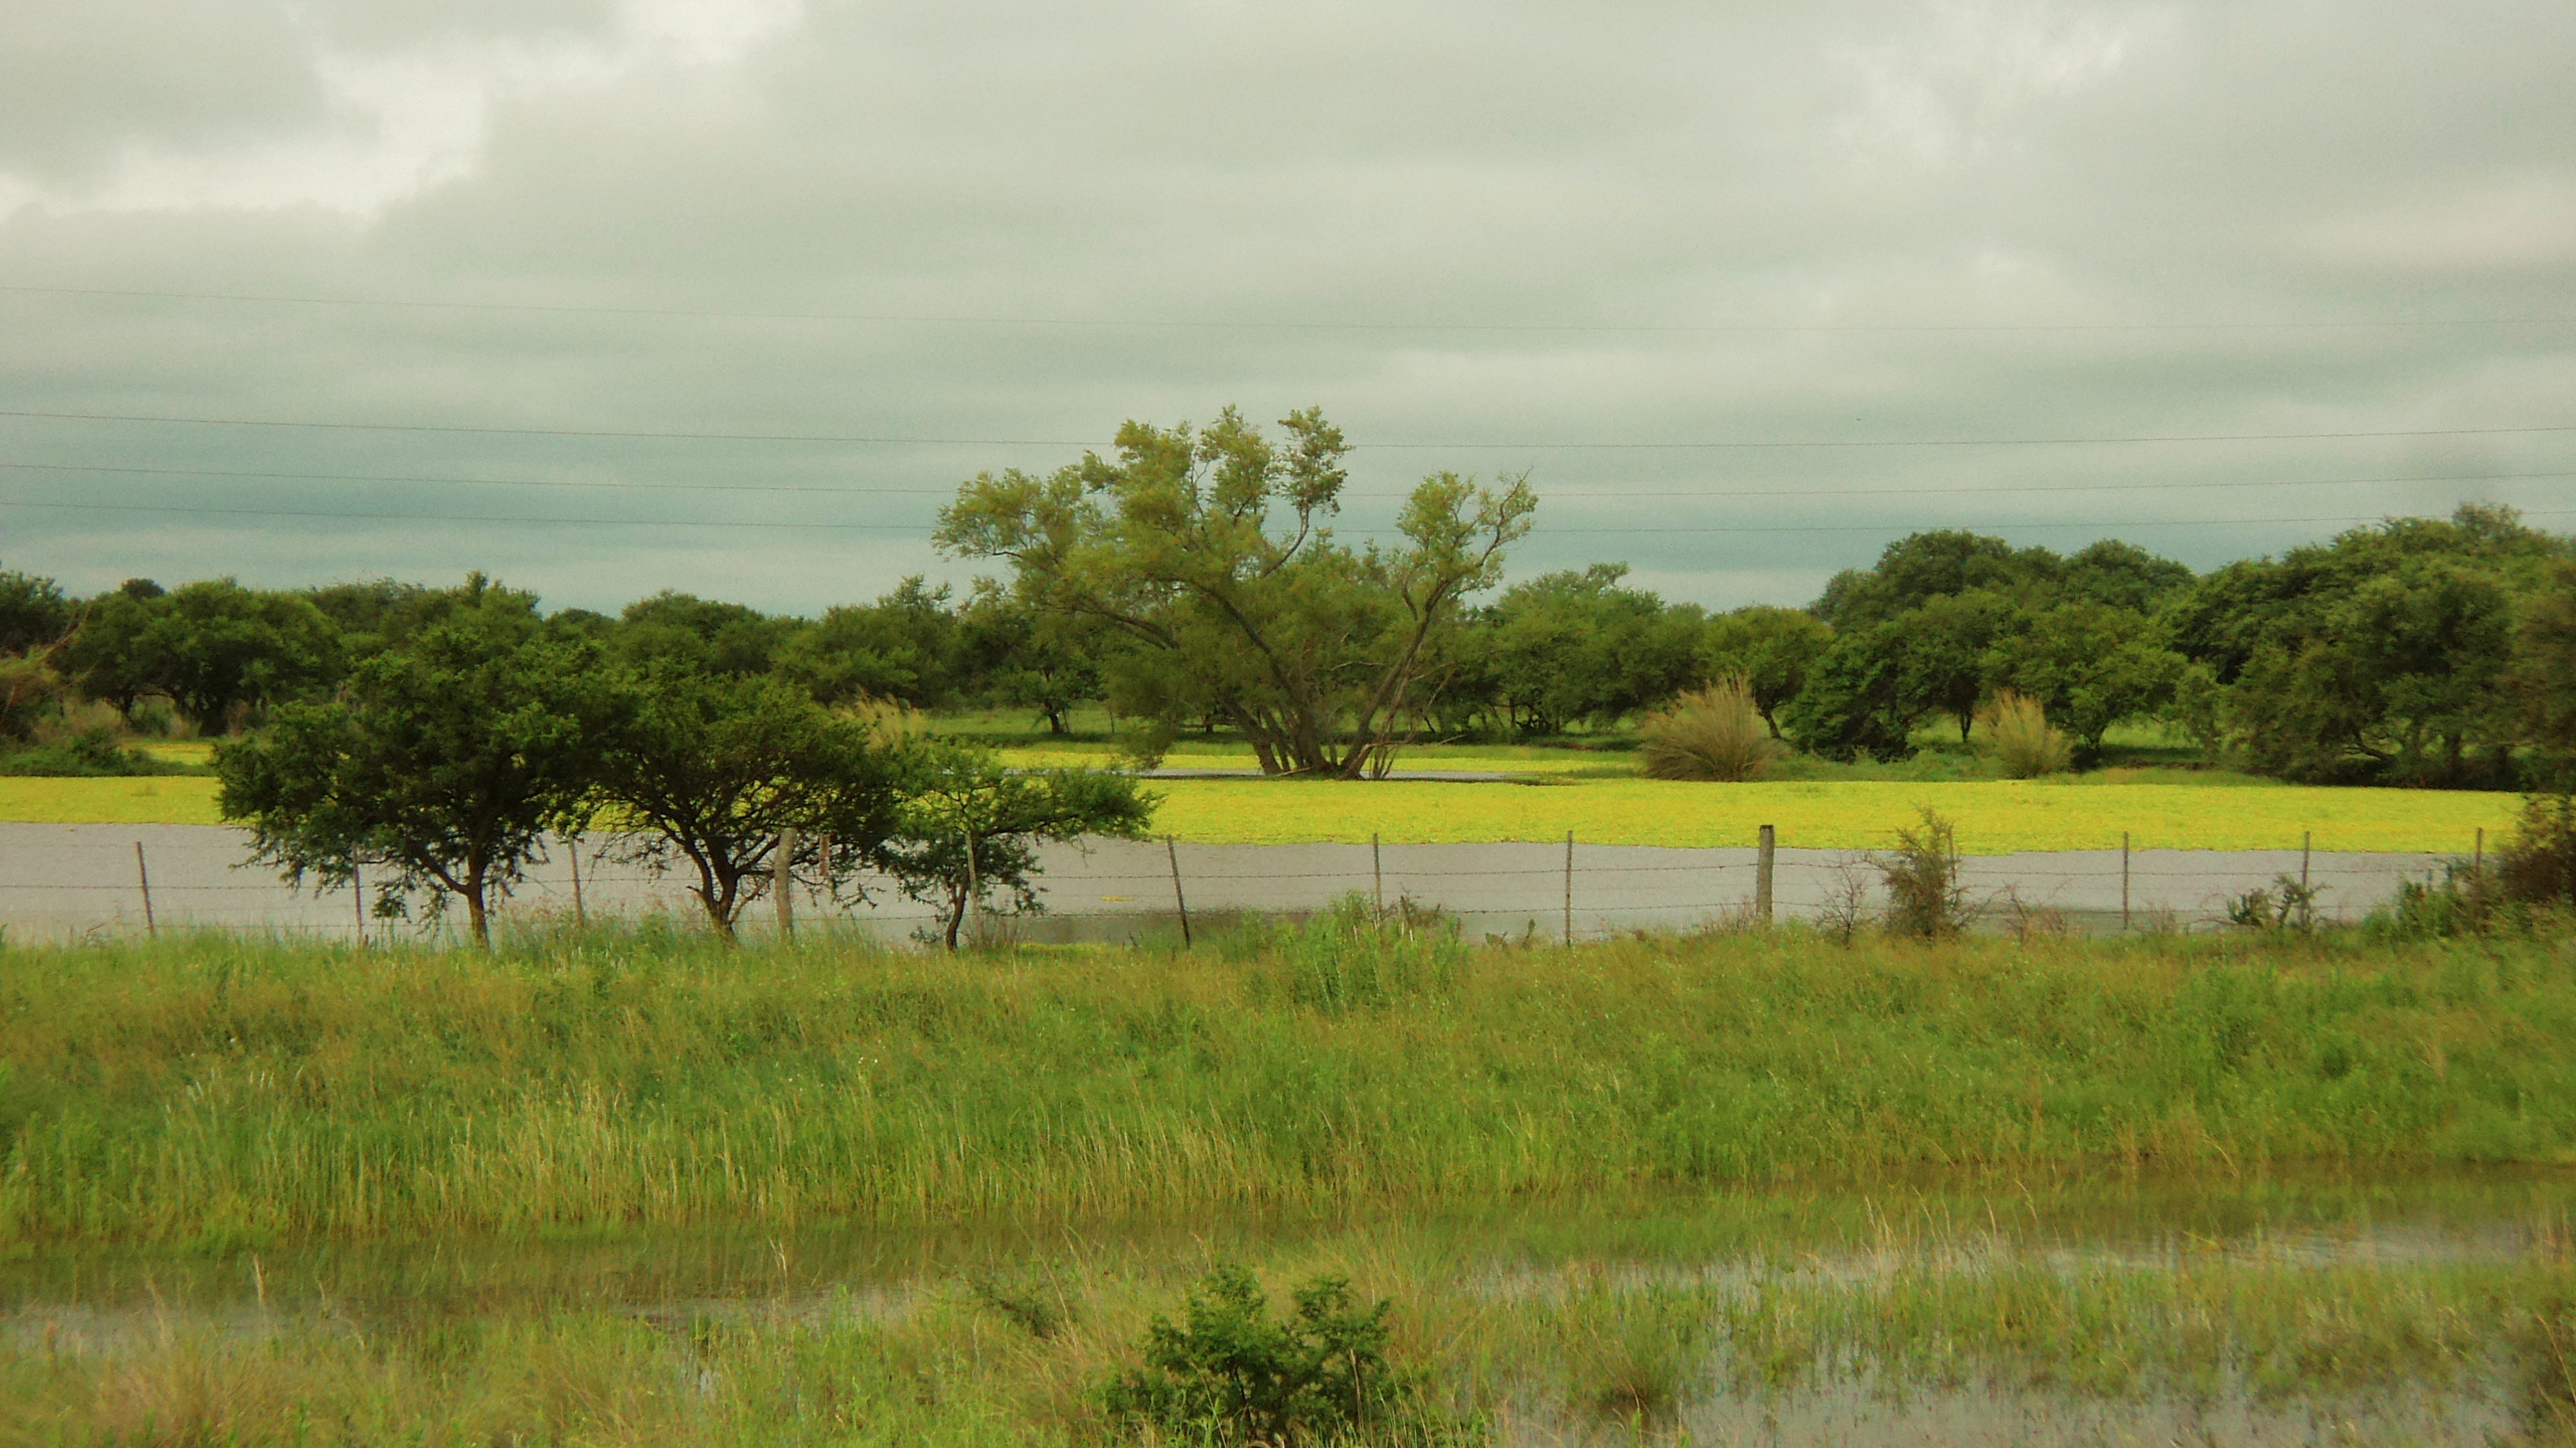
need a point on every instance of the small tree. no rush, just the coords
(970, 828)
(445, 762)
(1771, 648)
(710, 768)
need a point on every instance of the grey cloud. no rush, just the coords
(2028, 165)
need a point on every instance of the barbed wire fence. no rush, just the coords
(107, 882)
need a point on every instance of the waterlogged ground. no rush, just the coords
(2420, 1310)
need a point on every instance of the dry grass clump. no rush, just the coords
(2017, 730)
(1713, 733)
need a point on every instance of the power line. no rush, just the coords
(1356, 447)
(1253, 325)
(837, 489)
(925, 528)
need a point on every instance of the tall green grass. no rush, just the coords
(213, 1091)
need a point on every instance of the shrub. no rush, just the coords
(1713, 733)
(2017, 730)
(1234, 1374)
(1924, 897)
(2537, 865)
(1355, 956)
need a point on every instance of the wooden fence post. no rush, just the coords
(1173, 853)
(782, 882)
(1569, 887)
(1377, 872)
(358, 899)
(143, 873)
(580, 916)
(1762, 866)
(2124, 882)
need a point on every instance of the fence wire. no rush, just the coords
(90, 881)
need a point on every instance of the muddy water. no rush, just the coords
(1533, 1258)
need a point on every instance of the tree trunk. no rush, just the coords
(476, 916)
(956, 913)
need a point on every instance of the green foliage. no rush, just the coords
(88, 754)
(1858, 702)
(1925, 899)
(2536, 864)
(1916, 569)
(2287, 904)
(1945, 652)
(2022, 739)
(1770, 648)
(1317, 654)
(2544, 675)
(684, 631)
(908, 645)
(441, 768)
(2090, 666)
(1233, 1373)
(1710, 734)
(34, 614)
(212, 648)
(706, 769)
(2386, 655)
(969, 827)
(1575, 647)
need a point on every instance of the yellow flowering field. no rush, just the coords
(161, 799)
(1993, 816)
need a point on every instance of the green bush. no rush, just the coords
(1233, 1373)
(94, 753)
(1714, 733)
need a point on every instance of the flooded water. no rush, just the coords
(1544, 1288)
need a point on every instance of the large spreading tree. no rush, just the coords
(1212, 550)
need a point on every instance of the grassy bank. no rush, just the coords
(1994, 816)
(213, 1090)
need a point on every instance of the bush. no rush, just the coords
(1713, 734)
(1924, 897)
(1232, 1373)
(90, 755)
(2017, 730)
(1357, 957)
(2537, 865)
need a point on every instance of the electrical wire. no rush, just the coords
(924, 528)
(828, 488)
(889, 440)
(1252, 325)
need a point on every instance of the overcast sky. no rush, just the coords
(1932, 241)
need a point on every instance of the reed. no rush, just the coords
(214, 1091)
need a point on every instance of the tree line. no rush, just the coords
(1192, 580)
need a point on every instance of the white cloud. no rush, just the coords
(403, 120)
(1956, 89)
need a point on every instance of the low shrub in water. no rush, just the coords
(1233, 1373)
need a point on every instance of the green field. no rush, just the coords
(235, 1090)
(630, 1188)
